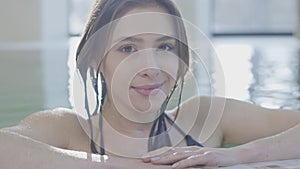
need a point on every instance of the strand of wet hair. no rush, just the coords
(172, 122)
(103, 94)
(159, 125)
(86, 104)
(100, 122)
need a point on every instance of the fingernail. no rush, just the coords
(155, 158)
(145, 157)
(175, 165)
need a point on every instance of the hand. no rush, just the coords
(194, 156)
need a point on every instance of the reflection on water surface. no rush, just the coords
(264, 71)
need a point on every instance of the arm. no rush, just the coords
(244, 122)
(241, 123)
(18, 151)
(282, 146)
(39, 141)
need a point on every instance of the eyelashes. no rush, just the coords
(127, 49)
(166, 47)
(131, 48)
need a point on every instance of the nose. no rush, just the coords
(151, 73)
(152, 69)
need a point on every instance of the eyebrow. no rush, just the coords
(135, 39)
(164, 38)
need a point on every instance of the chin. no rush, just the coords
(146, 108)
(150, 104)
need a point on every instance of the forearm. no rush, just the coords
(22, 152)
(282, 146)
(19, 152)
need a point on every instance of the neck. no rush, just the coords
(120, 123)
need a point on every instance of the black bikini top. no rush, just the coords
(161, 140)
(159, 135)
(188, 139)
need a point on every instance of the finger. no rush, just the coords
(146, 160)
(198, 168)
(192, 161)
(155, 153)
(177, 154)
(165, 151)
(172, 158)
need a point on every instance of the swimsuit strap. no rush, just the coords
(190, 141)
(159, 136)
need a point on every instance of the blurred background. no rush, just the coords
(256, 42)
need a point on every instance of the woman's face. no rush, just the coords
(141, 65)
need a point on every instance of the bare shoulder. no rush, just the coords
(233, 120)
(54, 127)
(201, 105)
(53, 116)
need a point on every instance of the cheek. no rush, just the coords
(170, 65)
(169, 86)
(111, 65)
(118, 73)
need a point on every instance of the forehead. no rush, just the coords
(150, 20)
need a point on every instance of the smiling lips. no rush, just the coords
(147, 90)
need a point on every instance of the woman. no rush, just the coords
(137, 50)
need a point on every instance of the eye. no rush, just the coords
(165, 47)
(127, 49)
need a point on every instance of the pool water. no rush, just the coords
(262, 70)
